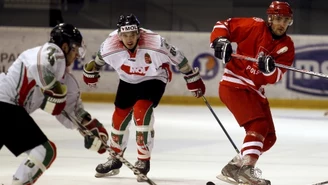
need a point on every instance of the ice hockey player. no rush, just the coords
(241, 88)
(142, 60)
(38, 78)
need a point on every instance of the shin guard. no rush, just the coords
(144, 120)
(120, 129)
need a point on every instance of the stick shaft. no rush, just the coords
(282, 66)
(217, 119)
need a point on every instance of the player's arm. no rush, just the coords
(266, 64)
(230, 30)
(49, 68)
(75, 107)
(99, 137)
(91, 69)
(195, 83)
(94, 142)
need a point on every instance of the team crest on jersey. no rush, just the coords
(147, 59)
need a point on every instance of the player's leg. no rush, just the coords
(124, 101)
(150, 93)
(29, 139)
(271, 137)
(37, 162)
(248, 111)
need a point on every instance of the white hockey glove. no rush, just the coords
(195, 83)
(99, 136)
(54, 99)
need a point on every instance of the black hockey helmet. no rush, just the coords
(128, 23)
(66, 33)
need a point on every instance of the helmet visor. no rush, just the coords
(282, 19)
(82, 49)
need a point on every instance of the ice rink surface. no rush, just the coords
(190, 148)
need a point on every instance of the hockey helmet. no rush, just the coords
(128, 23)
(67, 33)
(278, 8)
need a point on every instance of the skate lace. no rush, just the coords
(256, 173)
(140, 164)
(110, 162)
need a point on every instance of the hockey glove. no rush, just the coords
(222, 49)
(195, 83)
(266, 64)
(91, 74)
(54, 99)
(95, 142)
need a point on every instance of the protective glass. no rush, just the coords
(281, 19)
(81, 49)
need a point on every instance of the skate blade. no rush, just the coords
(139, 179)
(227, 179)
(111, 173)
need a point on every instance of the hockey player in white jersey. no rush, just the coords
(142, 60)
(39, 79)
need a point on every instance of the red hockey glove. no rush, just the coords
(195, 83)
(91, 74)
(99, 136)
(54, 99)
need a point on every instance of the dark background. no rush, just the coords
(310, 16)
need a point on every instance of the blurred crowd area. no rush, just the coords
(163, 15)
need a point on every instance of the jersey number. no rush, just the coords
(29, 164)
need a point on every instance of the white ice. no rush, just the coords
(190, 148)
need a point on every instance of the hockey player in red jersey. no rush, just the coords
(142, 59)
(241, 87)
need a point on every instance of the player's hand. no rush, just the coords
(195, 83)
(222, 49)
(266, 64)
(99, 137)
(91, 74)
(54, 100)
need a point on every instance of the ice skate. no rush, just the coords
(247, 175)
(109, 168)
(229, 172)
(143, 166)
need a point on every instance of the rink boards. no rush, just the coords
(296, 90)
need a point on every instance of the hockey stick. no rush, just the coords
(217, 119)
(111, 152)
(282, 66)
(321, 183)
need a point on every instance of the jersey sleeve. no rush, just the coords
(110, 45)
(73, 101)
(234, 29)
(176, 56)
(99, 59)
(50, 66)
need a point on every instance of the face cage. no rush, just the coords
(270, 18)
